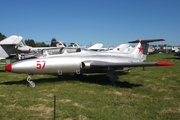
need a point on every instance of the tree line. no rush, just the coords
(32, 43)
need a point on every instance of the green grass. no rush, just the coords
(153, 93)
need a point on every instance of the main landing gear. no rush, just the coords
(31, 83)
(111, 77)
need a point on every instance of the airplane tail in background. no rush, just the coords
(22, 44)
(7, 46)
(141, 50)
(60, 44)
(96, 46)
(121, 48)
(75, 45)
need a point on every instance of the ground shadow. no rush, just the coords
(100, 79)
(2, 71)
(175, 58)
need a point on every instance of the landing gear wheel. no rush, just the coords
(31, 83)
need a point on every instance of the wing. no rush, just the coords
(88, 64)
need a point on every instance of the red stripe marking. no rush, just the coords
(164, 64)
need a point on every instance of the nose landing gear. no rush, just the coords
(31, 83)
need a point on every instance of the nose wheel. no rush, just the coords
(31, 83)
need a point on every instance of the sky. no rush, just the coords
(110, 22)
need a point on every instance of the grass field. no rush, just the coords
(153, 93)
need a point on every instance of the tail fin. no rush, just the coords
(141, 49)
(121, 48)
(7, 46)
(96, 46)
(75, 45)
(23, 47)
(22, 43)
(60, 44)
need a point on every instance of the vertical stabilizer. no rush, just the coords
(96, 46)
(121, 48)
(141, 49)
(60, 44)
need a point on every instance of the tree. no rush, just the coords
(2, 37)
(53, 42)
(41, 44)
(30, 42)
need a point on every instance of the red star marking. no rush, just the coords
(60, 43)
(140, 49)
(118, 49)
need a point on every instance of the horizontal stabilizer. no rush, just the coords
(147, 41)
(12, 40)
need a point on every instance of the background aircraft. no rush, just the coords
(35, 51)
(121, 48)
(176, 51)
(81, 62)
(25, 48)
(7, 46)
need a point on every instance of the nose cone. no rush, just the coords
(8, 67)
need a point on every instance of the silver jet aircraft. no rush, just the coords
(82, 61)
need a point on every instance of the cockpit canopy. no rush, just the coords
(56, 51)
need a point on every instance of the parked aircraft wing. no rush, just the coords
(88, 64)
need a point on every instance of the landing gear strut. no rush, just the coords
(111, 77)
(31, 83)
(78, 75)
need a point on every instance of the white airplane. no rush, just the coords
(35, 51)
(176, 50)
(95, 47)
(25, 48)
(7, 46)
(99, 47)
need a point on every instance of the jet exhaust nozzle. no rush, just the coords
(85, 65)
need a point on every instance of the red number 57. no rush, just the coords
(40, 64)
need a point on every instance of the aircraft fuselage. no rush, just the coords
(64, 64)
